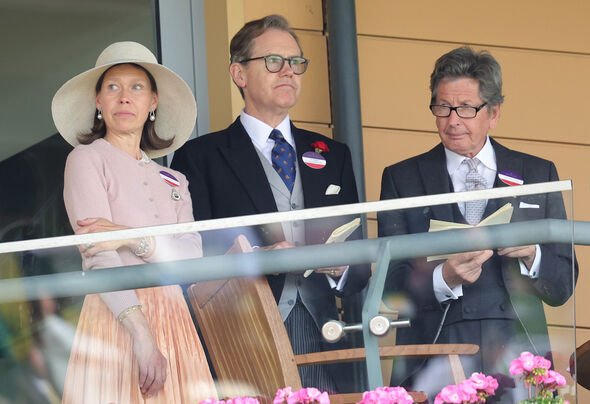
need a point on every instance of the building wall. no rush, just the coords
(542, 46)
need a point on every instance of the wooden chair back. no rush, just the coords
(247, 341)
(243, 331)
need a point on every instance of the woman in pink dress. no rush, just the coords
(134, 345)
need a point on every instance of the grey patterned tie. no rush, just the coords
(474, 181)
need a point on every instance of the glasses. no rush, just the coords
(274, 63)
(463, 111)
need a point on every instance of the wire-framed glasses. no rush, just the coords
(274, 63)
(463, 111)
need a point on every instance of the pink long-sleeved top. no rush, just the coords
(103, 181)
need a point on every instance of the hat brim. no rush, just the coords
(74, 105)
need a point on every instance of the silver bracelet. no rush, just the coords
(143, 248)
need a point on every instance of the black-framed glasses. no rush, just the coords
(274, 63)
(463, 111)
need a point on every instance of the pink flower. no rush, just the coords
(242, 400)
(537, 375)
(281, 395)
(451, 394)
(476, 389)
(387, 395)
(541, 363)
(557, 378)
(303, 396)
(235, 400)
(309, 395)
(524, 363)
(484, 383)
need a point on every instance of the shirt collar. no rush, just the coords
(486, 156)
(260, 131)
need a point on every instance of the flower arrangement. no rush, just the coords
(387, 395)
(320, 147)
(305, 395)
(476, 389)
(539, 379)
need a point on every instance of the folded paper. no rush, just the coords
(501, 216)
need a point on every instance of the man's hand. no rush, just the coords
(526, 253)
(464, 268)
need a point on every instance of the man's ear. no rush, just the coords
(236, 71)
(494, 116)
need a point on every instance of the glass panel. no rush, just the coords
(44, 44)
(501, 308)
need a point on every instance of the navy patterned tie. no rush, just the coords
(474, 181)
(283, 159)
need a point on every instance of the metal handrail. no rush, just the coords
(262, 262)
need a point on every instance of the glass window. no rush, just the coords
(45, 43)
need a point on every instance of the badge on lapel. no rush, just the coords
(314, 159)
(173, 182)
(510, 178)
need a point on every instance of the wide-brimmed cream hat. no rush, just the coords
(74, 104)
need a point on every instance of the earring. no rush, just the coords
(99, 115)
(152, 115)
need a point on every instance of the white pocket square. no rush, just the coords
(524, 205)
(333, 189)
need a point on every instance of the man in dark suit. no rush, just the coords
(493, 299)
(237, 171)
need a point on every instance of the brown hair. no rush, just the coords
(241, 44)
(149, 138)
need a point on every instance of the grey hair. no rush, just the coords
(465, 62)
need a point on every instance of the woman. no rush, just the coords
(131, 345)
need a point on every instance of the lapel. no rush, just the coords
(240, 154)
(522, 296)
(506, 161)
(435, 177)
(312, 189)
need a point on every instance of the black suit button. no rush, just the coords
(503, 307)
(290, 302)
(293, 206)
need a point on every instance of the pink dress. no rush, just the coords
(103, 181)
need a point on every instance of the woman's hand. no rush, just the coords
(99, 225)
(153, 366)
